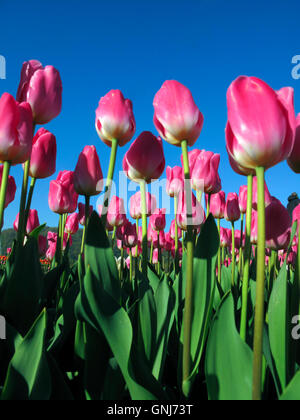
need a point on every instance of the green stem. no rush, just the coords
(131, 266)
(110, 175)
(241, 244)
(219, 253)
(233, 256)
(176, 236)
(260, 286)
(4, 182)
(247, 257)
(144, 227)
(188, 309)
(87, 215)
(29, 199)
(22, 227)
(208, 205)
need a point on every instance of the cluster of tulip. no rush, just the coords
(137, 315)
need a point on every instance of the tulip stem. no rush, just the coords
(86, 219)
(232, 256)
(4, 183)
(110, 175)
(144, 228)
(176, 236)
(188, 309)
(131, 266)
(208, 205)
(219, 253)
(247, 256)
(260, 286)
(22, 226)
(29, 199)
(241, 244)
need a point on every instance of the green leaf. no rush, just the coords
(28, 376)
(292, 392)
(100, 258)
(279, 326)
(204, 282)
(36, 232)
(228, 365)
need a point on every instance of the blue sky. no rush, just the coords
(135, 46)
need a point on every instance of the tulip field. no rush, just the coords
(189, 311)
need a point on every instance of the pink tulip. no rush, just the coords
(16, 130)
(172, 231)
(32, 221)
(254, 228)
(62, 195)
(225, 241)
(232, 210)
(145, 159)
(196, 219)
(88, 177)
(292, 258)
(278, 226)
(42, 245)
(115, 119)
(243, 199)
(296, 214)
(205, 175)
(155, 256)
(116, 215)
(176, 116)
(42, 89)
(136, 205)
(169, 242)
(43, 155)
(236, 166)
(50, 253)
(294, 158)
(268, 198)
(72, 224)
(158, 220)
(175, 181)
(8, 251)
(11, 188)
(261, 123)
(217, 205)
(130, 238)
(81, 213)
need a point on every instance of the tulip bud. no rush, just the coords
(169, 242)
(294, 158)
(43, 155)
(88, 177)
(72, 224)
(8, 251)
(42, 89)
(62, 195)
(32, 221)
(115, 119)
(254, 228)
(175, 181)
(217, 205)
(130, 238)
(197, 217)
(176, 116)
(225, 241)
(232, 210)
(136, 205)
(145, 159)
(205, 175)
(243, 195)
(158, 220)
(116, 215)
(16, 130)
(11, 188)
(278, 226)
(261, 123)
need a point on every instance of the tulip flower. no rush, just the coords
(254, 230)
(62, 195)
(88, 178)
(225, 241)
(243, 199)
(8, 251)
(116, 215)
(130, 238)
(296, 214)
(136, 205)
(176, 116)
(196, 219)
(169, 242)
(81, 213)
(72, 224)
(217, 205)
(294, 158)
(205, 175)
(278, 226)
(32, 222)
(16, 130)
(145, 159)
(175, 181)
(158, 220)
(232, 210)
(172, 230)
(42, 245)
(43, 155)
(261, 123)
(268, 198)
(115, 119)
(42, 89)
(11, 188)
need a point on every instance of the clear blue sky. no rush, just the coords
(135, 46)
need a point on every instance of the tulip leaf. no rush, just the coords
(279, 326)
(100, 258)
(36, 232)
(228, 365)
(292, 391)
(28, 376)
